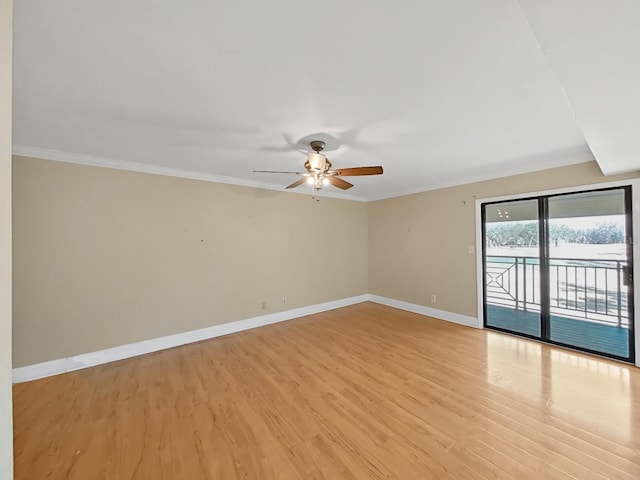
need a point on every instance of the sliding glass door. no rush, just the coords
(558, 268)
(512, 266)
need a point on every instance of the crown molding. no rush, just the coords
(492, 174)
(95, 161)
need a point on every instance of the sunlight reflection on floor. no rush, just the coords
(594, 391)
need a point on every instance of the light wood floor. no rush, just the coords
(360, 392)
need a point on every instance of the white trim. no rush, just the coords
(555, 191)
(81, 159)
(506, 171)
(77, 362)
(427, 311)
(635, 197)
(479, 264)
(635, 194)
(97, 161)
(86, 360)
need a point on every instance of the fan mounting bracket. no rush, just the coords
(317, 145)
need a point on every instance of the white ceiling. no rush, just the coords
(438, 92)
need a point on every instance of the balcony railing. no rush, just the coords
(590, 289)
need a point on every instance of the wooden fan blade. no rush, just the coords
(355, 171)
(338, 182)
(296, 183)
(273, 171)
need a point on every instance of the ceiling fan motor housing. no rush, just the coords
(317, 145)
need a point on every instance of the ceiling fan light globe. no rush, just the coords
(325, 181)
(310, 180)
(317, 161)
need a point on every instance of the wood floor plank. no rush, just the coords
(361, 392)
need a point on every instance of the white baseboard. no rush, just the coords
(77, 362)
(429, 312)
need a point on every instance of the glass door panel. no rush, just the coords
(512, 266)
(589, 291)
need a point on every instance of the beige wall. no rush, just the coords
(106, 257)
(6, 433)
(419, 244)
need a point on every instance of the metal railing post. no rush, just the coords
(619, 294)
(524, 283)
(517, 304)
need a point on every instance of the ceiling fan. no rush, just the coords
(319, 171)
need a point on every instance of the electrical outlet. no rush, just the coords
(433, 298)
(284, 300)
(472, 250)
(263, 305)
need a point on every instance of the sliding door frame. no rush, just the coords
(635, 220)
